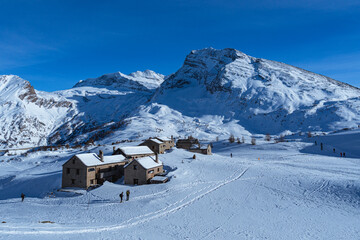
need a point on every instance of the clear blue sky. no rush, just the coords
(53, 44)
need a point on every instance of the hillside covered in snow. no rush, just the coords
(214, 94)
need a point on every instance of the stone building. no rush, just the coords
(142, 170)
(203, 149)
(88, 169)
(187, 143)
(155, 145)
(169, 142)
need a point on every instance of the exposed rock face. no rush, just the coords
(140, 81)
(28, 117)
(266, 96)
(215, 92)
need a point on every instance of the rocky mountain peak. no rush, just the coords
(139, 81)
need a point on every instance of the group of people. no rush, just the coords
(121, 195)
(342, 154)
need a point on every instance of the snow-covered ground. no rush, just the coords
(266, 191)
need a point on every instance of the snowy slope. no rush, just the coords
(137, 81)
(265, 96)
(29, 116)
(214, 94)
(267, 191)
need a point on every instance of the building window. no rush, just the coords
(158, 169)
(72, 181)
(135, 167)
(91, 169)
(67, 170)
(77, 171)
(151, 171)
(136, 181)
(92, 181)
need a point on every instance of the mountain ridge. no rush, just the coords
(214, 93)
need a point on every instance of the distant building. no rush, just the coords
(159, 145)
(169, 142)
(142, 170)
(193, 145)
(204, 149)
(187, 143)
(155, 145)
(134, 152)
(88, 169)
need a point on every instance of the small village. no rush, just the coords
(137, 165)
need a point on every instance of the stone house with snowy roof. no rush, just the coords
(187, 143)
(155, 145)
(169, 142)
(134, 152)
(89, 169)
(142, 170)
(203, 149)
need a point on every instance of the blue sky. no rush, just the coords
(54, 44)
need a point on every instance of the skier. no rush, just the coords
(334, 150)
(344, 154)
(230, 154)
(340, 154)
(121, 196)
(321, 146)
(127, 195)
(22, 197)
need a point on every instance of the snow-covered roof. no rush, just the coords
(164, 139)
(156, 141)
(91, 159)
(147, 162)
(135, 150)
(159, 178)
(194, 146)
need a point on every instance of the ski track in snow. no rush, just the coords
(172, 208)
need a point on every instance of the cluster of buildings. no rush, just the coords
(137, 164)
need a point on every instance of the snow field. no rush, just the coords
(286, 194)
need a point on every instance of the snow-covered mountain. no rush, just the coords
(263, 95)
(28, 116)
(215, 93)
(143, 81)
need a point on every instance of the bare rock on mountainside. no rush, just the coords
(215, 93)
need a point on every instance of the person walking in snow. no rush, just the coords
(334, 150)
(127, 195)
(344, 154)
(22, 197)
(121, 195)
(341, 154)
(230, 154)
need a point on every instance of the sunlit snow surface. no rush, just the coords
(290, 190)
(215, 93)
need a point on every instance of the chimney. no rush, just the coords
(156, 157)
(101, 155)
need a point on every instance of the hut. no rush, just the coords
(142, 170)
(88, 169)
(155, 145)
(187, 143)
